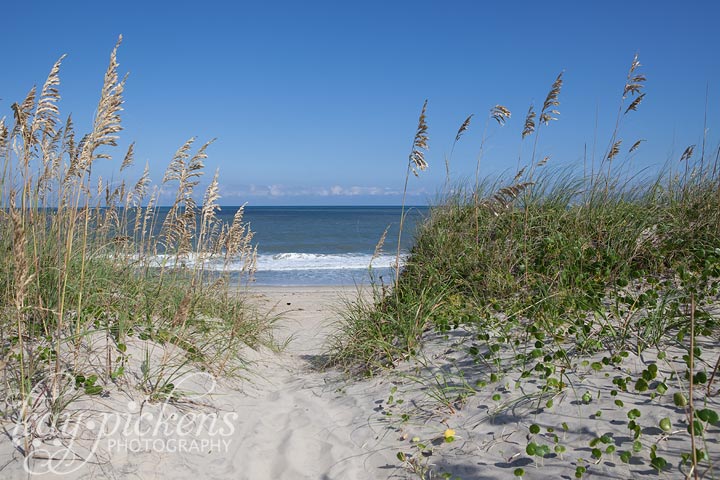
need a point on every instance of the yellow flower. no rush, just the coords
(449, 433)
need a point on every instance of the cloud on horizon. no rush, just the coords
(297, 193)
(280, 190)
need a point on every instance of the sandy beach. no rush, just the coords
(285, 418)
(288, 419)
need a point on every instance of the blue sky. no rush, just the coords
(317, 102)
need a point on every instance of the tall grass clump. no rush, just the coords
(553, 275)
(94, 279)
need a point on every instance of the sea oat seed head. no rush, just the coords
(463, 127)
(687, 153)
(614, 150)
(529, 126)
(420, 143)
(500, 114)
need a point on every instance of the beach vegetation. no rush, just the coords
(594, 288)
(98, 290)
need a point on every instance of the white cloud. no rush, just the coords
(280, 190)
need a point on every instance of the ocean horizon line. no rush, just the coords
(316, 206)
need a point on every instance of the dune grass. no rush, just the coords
(552, 272)
(94, 279)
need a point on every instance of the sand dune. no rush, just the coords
(289, 420)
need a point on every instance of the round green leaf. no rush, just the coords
(679, 399)
(665, 424)
(707, 415)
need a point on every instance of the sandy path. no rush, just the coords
(287, 420)
(297, 422)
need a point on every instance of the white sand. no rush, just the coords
(291, 422)
(288, 420)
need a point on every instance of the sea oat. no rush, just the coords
(463, 127)
(379, 246)
(614, 150)
(3, 136)
(183, 312)
(68, 141)
(688, 153)
(500, 114)
(212, 195)
(633, 106)
(141, 187)
(209, 208)
(23, 113)
(179, 224)
(529, 126)
(503, 198)
(46, 113)
(636, 145)
(107, 119)
(21, 273)
(552, 101)
(420, 143)
(635, 81)
(129, 157)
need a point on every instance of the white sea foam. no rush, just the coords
(284, 262)
(320, 261)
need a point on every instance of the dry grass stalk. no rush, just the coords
(416, 161)
(465, 125)
(208, 218)
(21, 280)
(614, 150)
(129, 157)
(148, 220)
(687, 154)
(3, 137)
(685, 157)
(547, 114)
(179, 224)
(420, 143)
(500, 114)
(212, 195)
(237, 243)
(552, 101)
(634, 105)
(183, 312)
(68, 144)
(636, 145)
(107, 119)
(47, 113)
(21, 273)
(140, 189)
(236, 235)
(379, 246)
(503, 199)
(529, 125)
(634, 84)
(635, 81)
(22, 127)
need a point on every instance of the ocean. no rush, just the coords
(325, 245)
